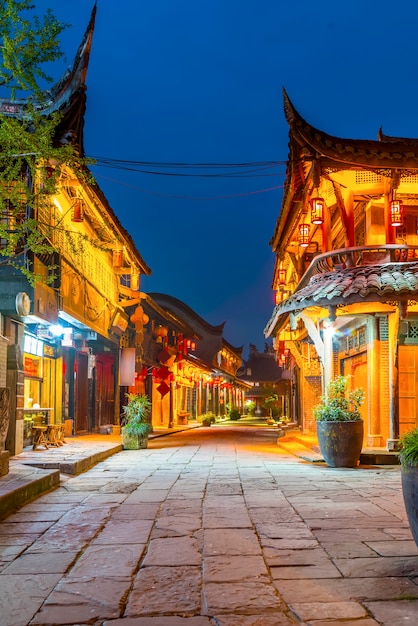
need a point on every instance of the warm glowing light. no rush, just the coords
(304, 235)
(282, 276)
(396, 212)
(77, 212)
(117, 258)
(135, 282)
(317, 210)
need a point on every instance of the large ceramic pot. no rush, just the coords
(410, 495)
(340, 442)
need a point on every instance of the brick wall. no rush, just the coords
(312, 390)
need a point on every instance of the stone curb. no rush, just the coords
(21, 486)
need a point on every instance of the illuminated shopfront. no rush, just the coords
(42, 386)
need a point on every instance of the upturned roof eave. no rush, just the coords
(367, 153)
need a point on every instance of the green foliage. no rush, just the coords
(207, 419)
(234, 413)
(27, 43)
(250, 407)
(270, 403)
(339, 404)
(28, 138)
(408, 450)
(136, 415)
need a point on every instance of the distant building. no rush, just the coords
(263, 373)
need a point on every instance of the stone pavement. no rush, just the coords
(212, 527)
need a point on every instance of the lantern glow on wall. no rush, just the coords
(77, 214)
(317, 210)
(117, 257)
(282, 276)
(396, 212)
(304, 235)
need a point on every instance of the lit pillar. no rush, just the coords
(374, 436)
(393, 380)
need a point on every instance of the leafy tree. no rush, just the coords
(28, 143)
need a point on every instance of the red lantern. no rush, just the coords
(117, 257)
(304, 235)
(77, 212)
(317, 210)
(396, 212)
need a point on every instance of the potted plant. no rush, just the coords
(136, 425)
(408, 457)
(207, 419)
(339, 424)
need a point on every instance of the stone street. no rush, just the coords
(212, 527)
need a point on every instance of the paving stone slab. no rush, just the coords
(135, 511)
(315, 557)
(284, 531)
(394, 548)
(22, 595)
(174, 551)
(311, 611)
(348, 549)
(172, 526)
(234, 569)
(232, 541)
(106, 561)
(234, 519)
(335, 589)
(378, 567)
(399, 613)
(65, 537)
(276, 619)
(165, 590)
(240, 598)
(163, 621)
(298, 572)
(124, 531)
(74, 601)
(43, 563)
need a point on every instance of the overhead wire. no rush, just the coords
(257, 170)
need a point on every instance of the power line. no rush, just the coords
(166, 195)
(253, 169)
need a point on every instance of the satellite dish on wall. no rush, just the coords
(22, 304)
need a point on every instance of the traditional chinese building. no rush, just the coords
(204, 364)
(266, 378)
(63, 340)
(346, 274)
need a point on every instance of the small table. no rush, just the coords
(40, 436)
(53, 435)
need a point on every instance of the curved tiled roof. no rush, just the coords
(387, 152)
(372, 283)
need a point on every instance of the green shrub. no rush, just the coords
(136, 415)
(234, 413)
(207, 419)
(339, 404)
(408, 450)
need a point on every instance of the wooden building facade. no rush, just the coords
(346, 274)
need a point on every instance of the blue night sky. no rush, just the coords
(200, 81)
